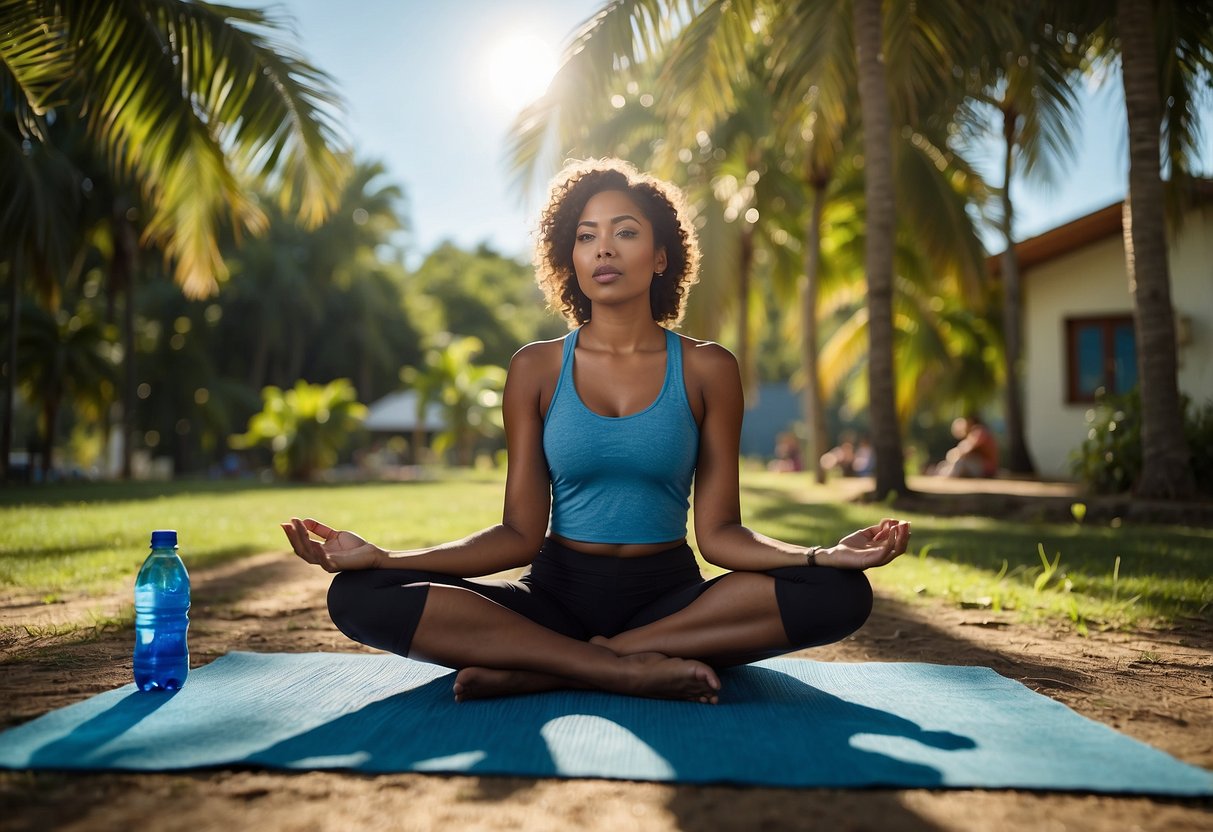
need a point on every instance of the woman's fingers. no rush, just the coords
(319, 529)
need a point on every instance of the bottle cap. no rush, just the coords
(164, 537)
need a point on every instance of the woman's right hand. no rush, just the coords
(336, 551)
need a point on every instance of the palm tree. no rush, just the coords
(306, 426)
(1024, 73)
(186, 103)
(66, 360)
(469, 394)
(1166, 472)
(878, 256)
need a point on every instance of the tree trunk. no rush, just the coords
(122, 283)
(10, 370)
(814, 408)
(1166, 472)
(50, 424)
(1016, 459)
(878, 250)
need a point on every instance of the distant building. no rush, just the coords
(1078, 322)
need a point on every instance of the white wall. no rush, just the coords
(1092, 282)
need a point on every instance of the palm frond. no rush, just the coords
(35, 62)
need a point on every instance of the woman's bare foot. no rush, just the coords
(662, 677)
(652, 675)
(489, 683)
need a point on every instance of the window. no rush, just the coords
(1101, 354)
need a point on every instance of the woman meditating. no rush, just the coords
(607, 430)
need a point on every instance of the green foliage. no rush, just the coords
(306, 427)
(1109, 460)
(480, 293)
(189, 102)
(469, 394)
(1198, 425)
(65, 358)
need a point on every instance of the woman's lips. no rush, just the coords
(606, 274)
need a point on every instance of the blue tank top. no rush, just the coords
(621, 479)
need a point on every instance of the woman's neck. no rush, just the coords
(622, 335)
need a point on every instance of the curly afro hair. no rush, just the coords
(662, 204)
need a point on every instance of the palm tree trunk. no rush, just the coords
(122, 282)
(10, 370)
(50, 421)
(878, 249)
(1016, 458)
(1166, 472)
(814, 408)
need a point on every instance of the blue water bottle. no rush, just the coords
(162, 606)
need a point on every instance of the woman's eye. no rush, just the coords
(627, 232)
(584, 237)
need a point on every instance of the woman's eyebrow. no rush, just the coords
(614, 220)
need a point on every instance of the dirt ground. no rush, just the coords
(1155, 686)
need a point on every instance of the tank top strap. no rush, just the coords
(673, 350)
(566, 356)
(565, 379)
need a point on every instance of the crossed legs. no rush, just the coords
(738, 618)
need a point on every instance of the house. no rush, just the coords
(1078, 322)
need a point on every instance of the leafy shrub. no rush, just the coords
(1198, 425)
(306, 427)
(1109, 459)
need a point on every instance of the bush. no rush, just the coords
(1109, 459)
(1198, 426)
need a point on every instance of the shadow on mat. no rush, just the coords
(769, 729)
(100, 730)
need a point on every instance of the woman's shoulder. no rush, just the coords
(539, 352)
(537, 361)
(706, 356)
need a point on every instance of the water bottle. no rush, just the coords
(162, 606)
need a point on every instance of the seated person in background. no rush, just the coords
(842, 457)
(787, 454)
(863, 464)
(975, 455)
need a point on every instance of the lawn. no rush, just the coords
(92, 537)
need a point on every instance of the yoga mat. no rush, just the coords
(783, 722)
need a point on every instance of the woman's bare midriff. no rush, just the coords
(617, 550)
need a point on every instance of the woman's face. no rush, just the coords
(615, 254)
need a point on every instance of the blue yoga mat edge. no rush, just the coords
(876, 725)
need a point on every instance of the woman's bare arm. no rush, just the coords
(714, 380)
(511, 543)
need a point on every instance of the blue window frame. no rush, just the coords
(1101, 354)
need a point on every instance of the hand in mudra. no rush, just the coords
(866, 548)
(336, 551)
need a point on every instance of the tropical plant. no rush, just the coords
(66, 359)
(1024, 75)
(481, 292)
(188, 105)
(469, 394)
(306, 427)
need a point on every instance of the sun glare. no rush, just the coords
(519, 67)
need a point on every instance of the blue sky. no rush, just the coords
(428, 87)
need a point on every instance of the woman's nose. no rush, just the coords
(605, 249)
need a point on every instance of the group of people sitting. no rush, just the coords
(974, 455)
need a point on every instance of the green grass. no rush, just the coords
(92, 538)
(1090, 575)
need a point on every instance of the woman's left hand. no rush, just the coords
(866, 548)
